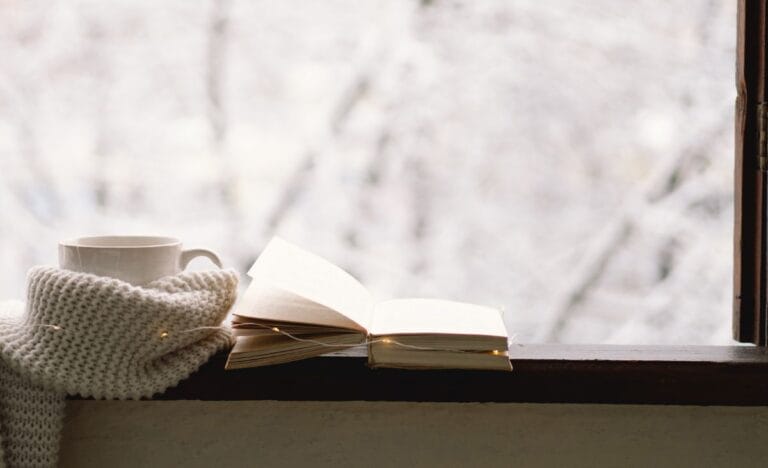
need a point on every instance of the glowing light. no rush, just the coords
(496, 352)
(56, 327)
(386, 340)
(275, 329)
(163, 334)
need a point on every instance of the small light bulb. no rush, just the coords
(56, 327)
(275, 329)
(163, 334)
(386, 340)
(496, 352)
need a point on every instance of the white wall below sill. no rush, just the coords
(279, 433)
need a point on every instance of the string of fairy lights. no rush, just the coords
(165, 334)
(385, 340)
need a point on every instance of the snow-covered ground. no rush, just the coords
(569, 161)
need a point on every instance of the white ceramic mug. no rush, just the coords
(135, 259)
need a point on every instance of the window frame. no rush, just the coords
(701, 375)
(749, 303)
(680, 375)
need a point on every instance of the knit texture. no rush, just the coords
(99, 337)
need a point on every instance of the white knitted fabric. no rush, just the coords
(81, 334)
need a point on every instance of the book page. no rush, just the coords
(255, 351)
(285, 267)
(434, 316)
(269, 304)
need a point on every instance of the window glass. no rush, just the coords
(568, 161)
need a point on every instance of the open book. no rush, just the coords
(299, 305)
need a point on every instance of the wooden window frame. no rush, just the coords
(702, 375)
(693, 375)
(749, 305)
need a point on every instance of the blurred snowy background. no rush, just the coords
(570, 161)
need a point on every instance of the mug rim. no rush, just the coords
(121, 242)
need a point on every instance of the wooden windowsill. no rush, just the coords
(697, 375)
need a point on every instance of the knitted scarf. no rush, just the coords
(92, 336)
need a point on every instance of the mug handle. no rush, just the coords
(188, 254)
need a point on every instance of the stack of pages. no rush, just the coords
(299, 305)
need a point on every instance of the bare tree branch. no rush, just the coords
(610, 238)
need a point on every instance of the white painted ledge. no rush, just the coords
(355, 434)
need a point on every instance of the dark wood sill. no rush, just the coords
(692, 375)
